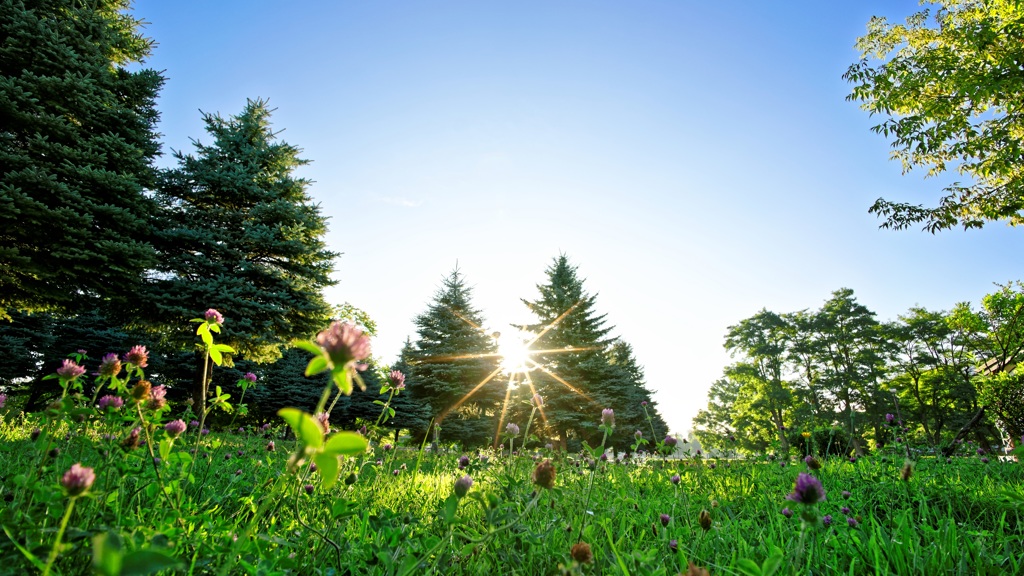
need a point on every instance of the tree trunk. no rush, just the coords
(948, 450)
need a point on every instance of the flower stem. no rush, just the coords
(60, 535)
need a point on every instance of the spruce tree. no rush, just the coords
(581, 372)
(454, 366)
(77, 143)
(241, 235)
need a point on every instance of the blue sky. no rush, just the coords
(696, 160)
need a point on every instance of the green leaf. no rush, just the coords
(327, 466)
(346, 444)
(31, 557)
(304, 425)
(142, 562)
(216, 357)
(207, 338)
(309, 346)
(343, 507)
(451, 506)
(165, 448)
(748, 567)
(317, 364)
(340, 375)
(224, 348)
(215, 327)
(772, 564)
(107, 553)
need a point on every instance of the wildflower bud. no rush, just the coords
(110, 402)
(213, 317)
(54, 452)
(845, 510)
(643, 403)
(397, 380)
(846, 494)
(250, 377)
(132, 440)
(78, 479)
(544, 475)
(671, 441)
(581, 553)
(141, 390)
(787, 512)
(323, 418)
(907, 471)
(694, 570)
(512, 429)
(808, 490)
(673, 545)
(889, 418)
(827, 520)
(812, 462)
(270, 446)
(138, 356)
(638, 435)
(35, 434)
(608, 417)
(463, 462)
(714, 504)
(158, 397)
(70, 370)
(704, 519)
(175, 428)
(538, 401)
(308, 488)
(344, 343)
(110, 366)
(462, 486)
(665, 519)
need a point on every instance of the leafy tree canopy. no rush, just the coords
(951, 89)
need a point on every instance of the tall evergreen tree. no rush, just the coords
(454, 366)
(241, 235)
(77, 144)
(579, 375)
(630, 413)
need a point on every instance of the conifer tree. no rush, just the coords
(241, 235)
(454, 366)
(77, 143)
(582, 372)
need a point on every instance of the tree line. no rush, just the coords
(843, 376)
(101, 250)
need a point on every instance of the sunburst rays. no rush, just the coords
(518, 360)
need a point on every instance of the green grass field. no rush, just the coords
(242, 508)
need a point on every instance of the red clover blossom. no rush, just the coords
(70, 370)
(78, 479)
(344, 343)
(397, 380)
(138, 356)
(608, 417)
(213, 317)
(110, 366)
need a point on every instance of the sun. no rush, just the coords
(514, 350)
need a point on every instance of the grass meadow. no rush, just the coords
(242, 502)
